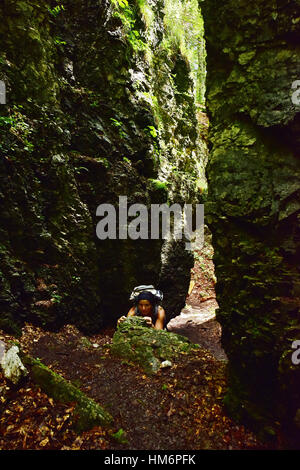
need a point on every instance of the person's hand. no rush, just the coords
(149, 321)
(121, 319)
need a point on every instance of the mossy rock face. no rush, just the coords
(253, 207)
(148, 347)
(87, 413)
(93, 112)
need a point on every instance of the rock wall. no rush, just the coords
(253, 208)
(102, 101)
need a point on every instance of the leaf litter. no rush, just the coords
(181, 407)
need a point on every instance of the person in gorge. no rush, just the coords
(146, 307)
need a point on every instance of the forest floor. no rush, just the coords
(179, 408)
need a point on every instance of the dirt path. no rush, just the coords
(198, 320)
(198, 323)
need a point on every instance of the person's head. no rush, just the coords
(145, 303)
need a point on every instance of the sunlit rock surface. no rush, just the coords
(12, 366)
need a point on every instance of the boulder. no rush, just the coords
(147, 347)
(11, 364)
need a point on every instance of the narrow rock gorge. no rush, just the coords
(111, 98)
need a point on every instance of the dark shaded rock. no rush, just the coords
(253, 207)
(96, 109)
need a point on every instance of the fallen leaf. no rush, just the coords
(44, 442)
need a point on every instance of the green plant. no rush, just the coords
(116, 123)
(79, 169)
(127, 15)
(151, 131)
(104, 161)
(94, 104)
(18, 126)
(6, 121)
(56, 10)
(120, 436)
(119, 125)
(153, 102)
(29, 147)
(56, 298)
(122, 3)
(147, 12)
(185, 30)
(58, 41)
(159, 185)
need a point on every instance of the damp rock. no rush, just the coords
(12, 366)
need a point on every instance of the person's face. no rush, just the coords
(145, 308)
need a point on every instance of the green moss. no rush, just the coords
(147, 12)
(146, 346)
(253, 174)
(185, 30)
(87, 413)
(125, 102)
(159, 185)
(128, 15)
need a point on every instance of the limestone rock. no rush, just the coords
(147, 347)
(12, 366)
(165, 364)
(2, 349)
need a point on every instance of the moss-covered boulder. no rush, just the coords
(147, 347)
(87, 413)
